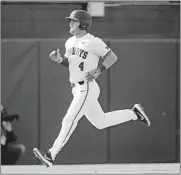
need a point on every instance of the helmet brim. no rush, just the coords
(70, 18)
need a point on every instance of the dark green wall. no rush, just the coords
(39, 91)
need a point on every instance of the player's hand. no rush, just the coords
(56, 56)
(93, 74)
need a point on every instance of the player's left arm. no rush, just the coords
(107, 59)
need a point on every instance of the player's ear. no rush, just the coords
(82, 26)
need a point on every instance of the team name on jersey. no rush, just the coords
(77, 51)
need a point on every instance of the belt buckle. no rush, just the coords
(80, 83)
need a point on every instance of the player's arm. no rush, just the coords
(107, 59)
(58, 58)
(65, 61)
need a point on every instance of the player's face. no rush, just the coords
(74, 27)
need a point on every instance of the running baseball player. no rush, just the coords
(86, 57)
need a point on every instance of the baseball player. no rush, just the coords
(86, 57)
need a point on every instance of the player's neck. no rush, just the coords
(81, 34)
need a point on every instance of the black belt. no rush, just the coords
(80, 82)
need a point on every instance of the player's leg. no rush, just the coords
(69, 123)
(90, 93)
(87, 93)
(102, 120)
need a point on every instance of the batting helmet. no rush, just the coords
(83, 17)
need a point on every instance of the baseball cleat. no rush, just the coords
(43, 156)
(139, 111)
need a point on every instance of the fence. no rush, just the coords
(38, 90)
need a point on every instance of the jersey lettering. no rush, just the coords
(77, 51)
(81, 66)
(85, 55)
(81, 51)
(73, 51)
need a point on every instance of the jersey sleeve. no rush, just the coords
(66, 49)
(100, 48)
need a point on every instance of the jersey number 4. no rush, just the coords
(81, 66)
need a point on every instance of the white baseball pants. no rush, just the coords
(85, 102)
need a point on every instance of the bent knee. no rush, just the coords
(99, 126)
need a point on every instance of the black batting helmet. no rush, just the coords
(83, 17)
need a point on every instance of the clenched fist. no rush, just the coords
(56, 56)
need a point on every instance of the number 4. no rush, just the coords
(81, 66)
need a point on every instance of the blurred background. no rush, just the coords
(146, 38)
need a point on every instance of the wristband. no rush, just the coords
(101, 67)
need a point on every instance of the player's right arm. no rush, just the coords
(57, 57)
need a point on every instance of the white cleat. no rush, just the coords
(139, 111)
(43, 156)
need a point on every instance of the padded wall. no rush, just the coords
(47, 20)
(39, 91)
(20, 91)
(145, 72)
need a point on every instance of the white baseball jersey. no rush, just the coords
(83, 55)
